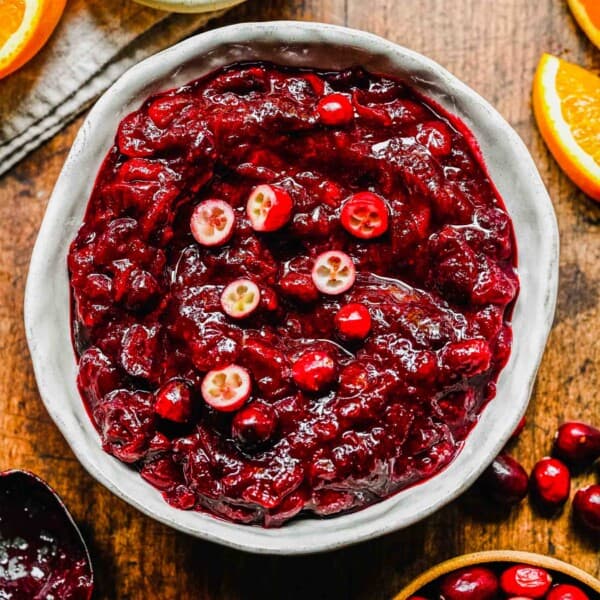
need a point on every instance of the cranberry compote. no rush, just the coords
(438, 282)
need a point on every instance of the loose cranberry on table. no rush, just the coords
(566, 591)
(353, 321)
(268, 208)
(365, 215)
(260, 214)
(505, 480)
(586, 506)
(577, 442)
(551, 481)
(335, 109)
(470, 583)
(526, 580)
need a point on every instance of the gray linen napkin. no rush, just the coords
(95, 42)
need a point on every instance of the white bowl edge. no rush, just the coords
(303, 44)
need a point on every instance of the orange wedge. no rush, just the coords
(566, 103)
(25, 26)
(587, 14)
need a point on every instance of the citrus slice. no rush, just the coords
(566, 103)
(587, 14)
(190, 6)
(25, 27)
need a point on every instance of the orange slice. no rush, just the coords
(25, 26)
(566, 103)
(587, 14)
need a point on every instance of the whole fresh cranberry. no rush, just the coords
(551, 481)
(471, 583)
(566, 591)
(335, 109)
(314, 371)
(353, 321)
(586, 505)
(505, 480)
(174, 401)
(525, 580)
(254, 424)
(577, 442)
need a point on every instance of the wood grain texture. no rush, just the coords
(493, 46)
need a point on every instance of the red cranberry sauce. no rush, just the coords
(438, 283)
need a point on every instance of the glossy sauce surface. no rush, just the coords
(439, 285)
(42, 556)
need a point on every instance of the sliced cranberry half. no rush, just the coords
(566, 591)
(226, 389)
(335, 109)
(365, 215)
(525, 580)
(268, 208)
(240, 298)
(212, 222)
(353, 321)
(333, 272)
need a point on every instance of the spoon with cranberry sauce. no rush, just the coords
(42, 553)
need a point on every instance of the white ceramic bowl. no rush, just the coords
(302, 44)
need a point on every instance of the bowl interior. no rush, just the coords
(298, 44)
(591, 584)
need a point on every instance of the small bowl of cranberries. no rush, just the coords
(502, 575)
(290, 271)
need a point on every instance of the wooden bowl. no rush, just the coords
(590, 584)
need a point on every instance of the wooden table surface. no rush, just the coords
(492, 45)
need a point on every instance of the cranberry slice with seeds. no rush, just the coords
(268, 208)
(240, 298)
(525, 580)
(212, 222)
(226, 389)
(335, 109)
(353, 321)
(365, 215)
(333, 272)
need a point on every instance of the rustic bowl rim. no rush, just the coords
(47, 315)
(498, 556)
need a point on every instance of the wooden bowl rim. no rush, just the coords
(491, 556)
